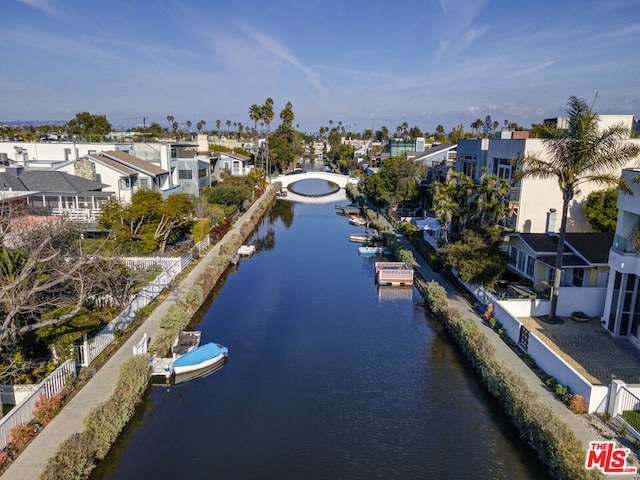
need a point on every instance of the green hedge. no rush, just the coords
(556, 444)
(77, 456)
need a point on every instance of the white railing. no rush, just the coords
(22, 413)
(94, 347)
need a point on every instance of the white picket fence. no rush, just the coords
(171, 267)
(22, 413)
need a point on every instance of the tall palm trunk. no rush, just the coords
(566, 198)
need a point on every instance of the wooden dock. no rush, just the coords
(393, 273)
(161, 367)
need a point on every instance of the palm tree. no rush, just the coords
(580, 154)
(255, 114)
(267, 115)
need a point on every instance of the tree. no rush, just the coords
(397, 180)
(228, 125)
(477, 125)
(200, 124)
(415, 132)
(601, 210)
(218, 125)
(175, 212)
(440, 136)
(86, 123)
(267, 114)
(42, 272)
(255, 114)
(477, 257)
(580, 154)
(487, 126)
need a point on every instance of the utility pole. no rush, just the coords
(371, 147)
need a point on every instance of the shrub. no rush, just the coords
(143, 312)
(46, 408)
(177, 316)
(105, 422)
(201, 229)
(556, 444)
(579, 314)
(436, 296)
(4, 458)
(21, 435)
(577, 405)
(74, 460)
(195, 295)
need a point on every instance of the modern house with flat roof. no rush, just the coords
(622, 306)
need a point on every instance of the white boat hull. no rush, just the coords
(190, 368)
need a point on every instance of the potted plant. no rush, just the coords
(579, 316)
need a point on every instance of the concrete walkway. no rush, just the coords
(33, 460)
(504, 352)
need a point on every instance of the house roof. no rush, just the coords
(432, 151)
(568, 261)
(593, 248)
(113, 164)
(541, 242)
(235, 155)
(48, 181)
(134, 162)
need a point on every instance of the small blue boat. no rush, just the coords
(201, 357)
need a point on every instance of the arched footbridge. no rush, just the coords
(336, 178)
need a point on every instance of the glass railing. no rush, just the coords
(624, 244)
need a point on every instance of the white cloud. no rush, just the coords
(274, 47)
(530, 70)
(45, 6)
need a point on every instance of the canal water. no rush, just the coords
(328, 377)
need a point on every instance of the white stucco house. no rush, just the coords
(532, 198)
(234, 164)
(622, 306)
(123, 173)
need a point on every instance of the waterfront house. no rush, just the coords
(234, 164)
(531, 198)
(622, 306)
(123, 173)
(50, 192)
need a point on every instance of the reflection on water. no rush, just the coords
(314, 187)
(326, 380)
(394, 293)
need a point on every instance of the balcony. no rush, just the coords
(624, 245)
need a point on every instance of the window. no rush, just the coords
(530, 264)
(513, 254)
(550, 274)
(503, 168)
(144, 183)
(578, 277)
(520, 262)
(185, 174)
(202, 172)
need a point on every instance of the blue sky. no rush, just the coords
(418, 61)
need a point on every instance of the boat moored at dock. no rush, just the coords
(201, 357)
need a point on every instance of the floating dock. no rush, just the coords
(394, 273)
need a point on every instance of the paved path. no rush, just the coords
(33, 460)
(504, 352)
